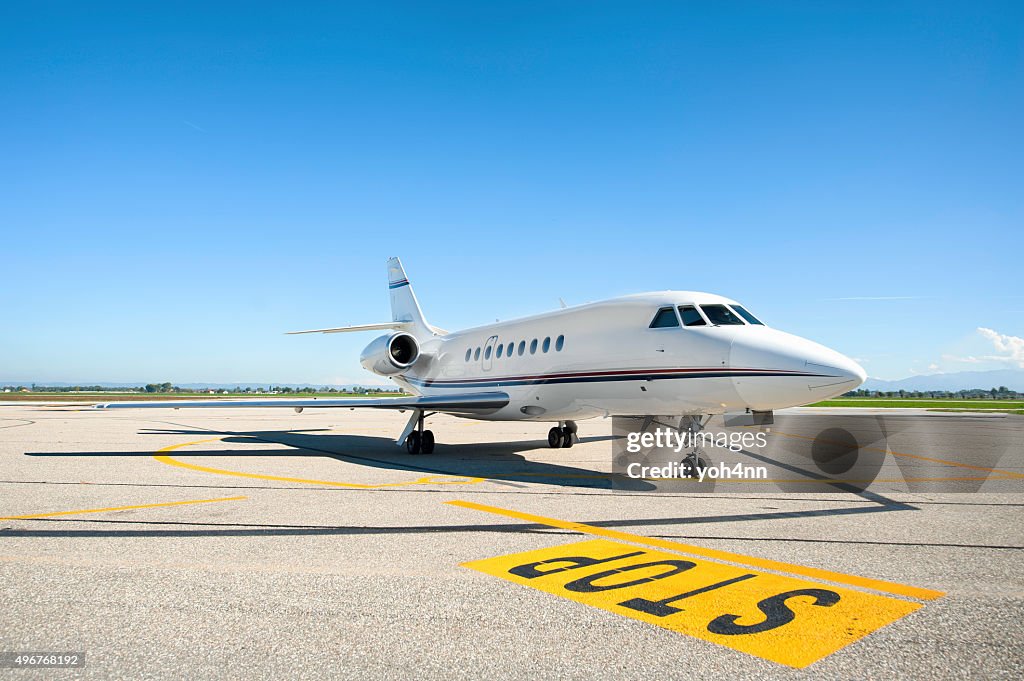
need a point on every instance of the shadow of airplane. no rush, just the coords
(498, 462)
(501, 463)
(221, 529)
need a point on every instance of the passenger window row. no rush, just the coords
(717, 315)
(510, 348)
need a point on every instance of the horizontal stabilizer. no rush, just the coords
(404, 326)
(466, 403)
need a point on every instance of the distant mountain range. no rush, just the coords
(959, 380)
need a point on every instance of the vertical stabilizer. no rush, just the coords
(404, 306)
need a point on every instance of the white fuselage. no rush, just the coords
(610, 362)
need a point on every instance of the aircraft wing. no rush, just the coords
(465, 403)
(402, 326)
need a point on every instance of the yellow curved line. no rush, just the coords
(429, 480)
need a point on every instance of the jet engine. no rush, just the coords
(390, 355)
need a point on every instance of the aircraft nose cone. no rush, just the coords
(776, 370)
(852, 372)
(836, 374)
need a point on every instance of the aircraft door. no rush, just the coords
(488, 354)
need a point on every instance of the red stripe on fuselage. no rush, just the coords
(615, 372)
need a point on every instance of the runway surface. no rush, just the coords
(268, 544)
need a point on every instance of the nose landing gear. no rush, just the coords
(693, 464)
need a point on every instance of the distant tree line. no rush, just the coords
(1000, 393)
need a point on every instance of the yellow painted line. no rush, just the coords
(714, 554)
(428, 480)
(916, 456)
(122, 508)
(825, 481)
(791, 621)
(821, 481)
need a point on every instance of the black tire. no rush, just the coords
(412, 443)
(695, 466)
(555, 438)
(567, 438)
(427, 446)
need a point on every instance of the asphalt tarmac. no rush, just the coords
(267, 544)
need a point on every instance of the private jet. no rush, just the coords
(679, 353)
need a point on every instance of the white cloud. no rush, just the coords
(967, 360)
(1010, 348)
(933, 366)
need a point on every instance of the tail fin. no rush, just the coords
(404, 306)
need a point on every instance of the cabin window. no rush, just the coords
(522, 347)
(501, 346)
(547, 343)
(533, 346)
(469, 353)
(559, 343)
(720, 315)
(690, 315)
(476, 354)
(741, 311)
(665, 319)
(487, 352)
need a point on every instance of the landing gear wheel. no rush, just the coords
(412, 443)
(555, 438)
(427, 444)
(567, 438)
(694, 465)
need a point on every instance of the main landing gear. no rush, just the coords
(562, 435)
(419, 440)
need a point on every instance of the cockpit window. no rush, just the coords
(690, 316)
(720, 315)
(741, 311)
(666, 318)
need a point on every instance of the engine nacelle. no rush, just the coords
(390, 355)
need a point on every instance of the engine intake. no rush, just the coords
(390, 355)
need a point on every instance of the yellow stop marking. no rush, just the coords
(787, 620)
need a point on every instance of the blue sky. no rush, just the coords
(180, 184)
